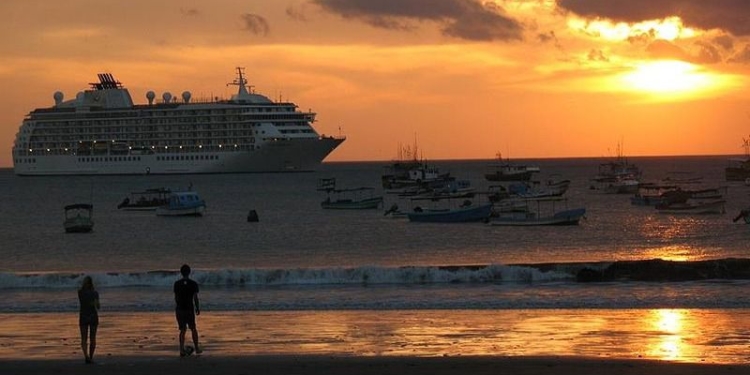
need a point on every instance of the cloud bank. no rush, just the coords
(463, 19)
(728, 15)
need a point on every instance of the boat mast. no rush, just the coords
(241, 82)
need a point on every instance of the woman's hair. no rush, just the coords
(87, 283)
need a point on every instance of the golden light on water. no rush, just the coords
(669, 321)
(669, 325)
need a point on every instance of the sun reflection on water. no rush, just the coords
(670, 237)
(669, 327)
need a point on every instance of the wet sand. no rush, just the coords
(660, 341)
(328, 365)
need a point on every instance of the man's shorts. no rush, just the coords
(185, 318)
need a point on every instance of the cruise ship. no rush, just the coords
(101, 131)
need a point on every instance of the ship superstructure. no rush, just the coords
(101, 131)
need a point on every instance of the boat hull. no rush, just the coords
(364, 204)
(562, 218)
(693, 208)
(79, 227)
(498, 176)
(289, 155)
(460, 215)
(182, 211)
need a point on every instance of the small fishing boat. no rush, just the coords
(534, 189)
(656, 194)
(503, 170)
(146, 200)
(182, 203)
(79, 218)
(691, 207)
(466, 211)
(545, 213)
(360, 198)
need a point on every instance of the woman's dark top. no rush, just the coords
(89, 300)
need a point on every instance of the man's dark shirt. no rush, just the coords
(184, 290)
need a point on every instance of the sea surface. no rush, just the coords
(302, 260)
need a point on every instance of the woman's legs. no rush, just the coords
(92, 343)
(84, 337)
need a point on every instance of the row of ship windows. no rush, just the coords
(189, 157)
(127, 158)
(161, 158)
(271, 108)
(121, 158)
(193, 122)
(55, 150)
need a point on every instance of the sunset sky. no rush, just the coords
(463, 78)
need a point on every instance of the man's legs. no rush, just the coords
(195, 340)
(182, 341)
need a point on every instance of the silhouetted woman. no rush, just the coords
(88, 318)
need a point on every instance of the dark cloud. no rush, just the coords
(546, 37)
(255, 24)
(464, 19)
(190, 12)
(702, 52)
(550, 37)
(642, 38)
(597, 55)
(728, 15)
(725, 41)
(707, 53)
(296, 13)
(742, 56)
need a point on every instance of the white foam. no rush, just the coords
(292, 276)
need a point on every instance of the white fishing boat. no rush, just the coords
(535, 189)
(618, 176)
(451, 209)
(359, 198)
(538, 212)
(101, 131)
(79, 218)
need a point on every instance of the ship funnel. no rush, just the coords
(58, 97)
(167, 97)
(186, 96)
(150, 96)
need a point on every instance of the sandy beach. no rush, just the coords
(334, 365)
(642, 342)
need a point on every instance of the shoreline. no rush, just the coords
(347, 365)
(675, 336)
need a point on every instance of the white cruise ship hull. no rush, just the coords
(290, 155)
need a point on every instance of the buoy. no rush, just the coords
(252, 216)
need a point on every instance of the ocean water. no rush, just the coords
(299, 258)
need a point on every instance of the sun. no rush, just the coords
(668, 76)
(670, 79)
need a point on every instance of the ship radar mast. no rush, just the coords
(241, 82)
